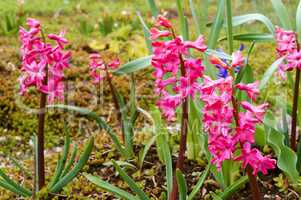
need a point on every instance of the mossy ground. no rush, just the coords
(81, 19)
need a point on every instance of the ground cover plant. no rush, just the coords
(195, 99)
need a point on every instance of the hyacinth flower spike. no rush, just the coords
(42, 67)
(289, 48)
(171, 58)
(100, 70)
(221, 109)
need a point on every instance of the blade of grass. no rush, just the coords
(80, 164)
(131, 183)
(181, 184)
(111, 188)
(200, 182)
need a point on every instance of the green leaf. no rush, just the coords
(14, 184)
(153, 7)
(146, 33)
(72, 174)
(258, 37)
(133, 66)
(168, 162)
(144, 151)
(110, 188)
(70, 162)
(195, 17)
(181, 185)
(242, 19)
(217, 25)
(286, 157)
(298, 21)
(194, 130)
(101, 123)
(268, 74)
(204, 7)
(182, 19)
(11, 188)
(20, 166)
(131, 183)
(234, 187)
(260, 136)
(282, 14)
(61, 162)
(158, 130)
(200, 182)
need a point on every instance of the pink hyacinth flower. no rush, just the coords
(156, 33)
(33, 23)
(114, 64)
(286, 41)
(199, 44)
(257, 111)
(237, 59)
(162, 21)
(60, 40)
(251, 89)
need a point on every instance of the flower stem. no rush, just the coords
(183, 139)
(41, 128)
(254, 184)
(295, 107)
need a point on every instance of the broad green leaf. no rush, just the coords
(110, 188)
(234, 187)
(182, 19)
(268, 74)
(181, 185)
(195, 17)
(200, 182)
(78, 166)
(217, 25)
(131, 183)
(133, 66)
(146, 33)
(153, 7)
(258, 37)
(260, 136)
(242, 19)
(101, 123)
(203, 13)
(298, 21)
(286, 157)
(282, 14)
